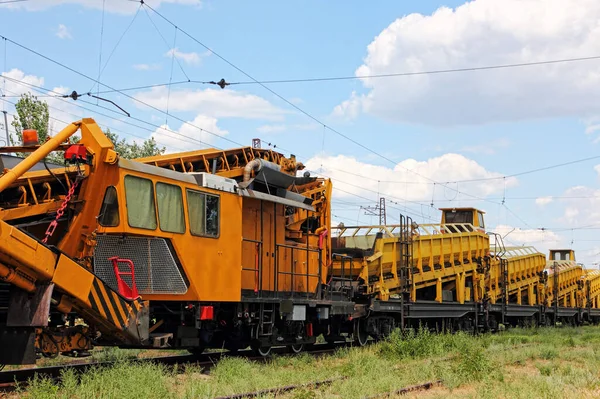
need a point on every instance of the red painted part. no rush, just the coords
(309, 330)
(322, 237)
(206, 312)
(125, 290)
(76, 150)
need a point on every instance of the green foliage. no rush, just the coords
(422, 343)
(33, 113)
(134, 150)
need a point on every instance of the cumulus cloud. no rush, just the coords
(541, 201)
(191, 58)
(482, 33)
(63, 32)
(216, 103)
(62, 112)
(407, 179)
(194, 137)
(542, 240)
(583, 208)
(112, 6)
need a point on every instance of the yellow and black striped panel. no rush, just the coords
(110, 305)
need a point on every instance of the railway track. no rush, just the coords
(10, 378)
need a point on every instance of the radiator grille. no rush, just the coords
(155, 269)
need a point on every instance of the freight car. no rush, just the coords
(235, 248)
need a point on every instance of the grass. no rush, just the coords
(518, 363)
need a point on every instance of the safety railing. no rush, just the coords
(258, 260)
(295, 275)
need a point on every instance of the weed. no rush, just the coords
(549, 353)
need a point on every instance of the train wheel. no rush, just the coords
(360, 332)
(260, 349)
(263, 351)
(296, 348)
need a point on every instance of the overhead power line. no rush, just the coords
(416, 73)
(222, 83)
(191, 37)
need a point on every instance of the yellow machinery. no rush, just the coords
(591, 289)
(446, 260)
(515, 275)
(451, 261)
(202, 248)
(564, 278)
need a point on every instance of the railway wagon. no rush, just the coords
(449, 262)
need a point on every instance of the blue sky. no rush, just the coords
(442, 128)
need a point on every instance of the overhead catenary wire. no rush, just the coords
(395, 74)
(124, 94)
(191, 37)
(100, 72)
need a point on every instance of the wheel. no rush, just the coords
(263, 351)
(360, 332)
(296, 348)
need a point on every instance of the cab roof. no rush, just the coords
(461, 209)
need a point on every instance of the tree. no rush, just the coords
(132, 151)
(33, 113)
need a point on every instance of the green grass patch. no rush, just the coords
(517, 363)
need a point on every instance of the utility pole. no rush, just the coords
(377, 210)
(382, 214)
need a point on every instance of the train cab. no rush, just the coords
(467, 217)
(562, 254)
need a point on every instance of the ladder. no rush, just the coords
(267, 319)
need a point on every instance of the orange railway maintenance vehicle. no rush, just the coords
(234, 248)
(200, 249)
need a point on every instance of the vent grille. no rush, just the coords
(156, 271)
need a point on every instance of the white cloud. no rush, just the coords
(112, 6)
(175, 141)
(584, 208)
(482, 33)
(278, 128)
(213, 102)
(191, 58)
(62, 112)
(541, 201)
(390, 182)
(541, 240)
(18, 82)
(146, 67)
(63, 32)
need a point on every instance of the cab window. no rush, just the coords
(203, 212)
(139, 195)
(109, 212)
(481, 222)
(459, 217)
(170, 208)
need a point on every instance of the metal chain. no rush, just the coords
(60, 212)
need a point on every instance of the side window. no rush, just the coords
(170, 208)
(109, 212)
(203, 212)
(139, 194)
(481, 223)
